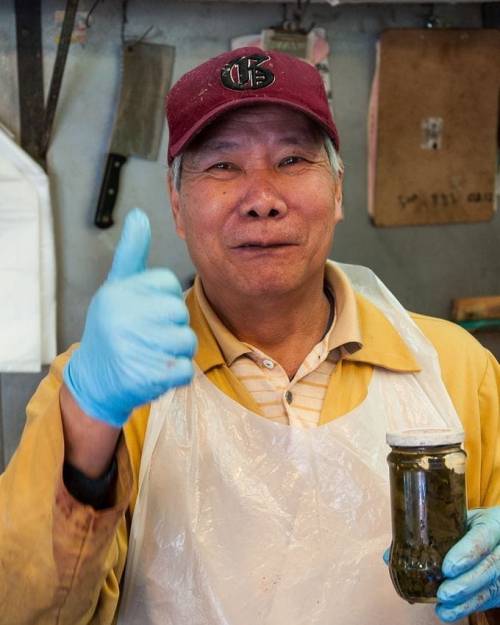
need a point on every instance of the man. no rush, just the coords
(248, 511)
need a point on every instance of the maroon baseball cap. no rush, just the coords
(242, 77)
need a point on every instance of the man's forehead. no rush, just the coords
(277, 124)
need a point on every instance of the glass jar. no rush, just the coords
(429, 511)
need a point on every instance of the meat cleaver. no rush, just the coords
(147, 73)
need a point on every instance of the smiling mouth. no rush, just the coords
(263, 246)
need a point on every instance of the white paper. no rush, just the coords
(27, 262)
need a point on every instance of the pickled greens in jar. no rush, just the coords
(429, 515)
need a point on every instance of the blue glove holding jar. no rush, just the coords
(137, 343)
(472, 569)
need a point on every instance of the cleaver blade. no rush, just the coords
(137, 131)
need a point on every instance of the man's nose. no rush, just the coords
(263, 197)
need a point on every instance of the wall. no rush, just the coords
(426, 267)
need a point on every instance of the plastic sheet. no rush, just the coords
(27, 262)
(241, 520)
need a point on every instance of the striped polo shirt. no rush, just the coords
(297, 401)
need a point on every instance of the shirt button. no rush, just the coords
(268, 364)
(289, 397)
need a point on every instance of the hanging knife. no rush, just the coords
(147, 73)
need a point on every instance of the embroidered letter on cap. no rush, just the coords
(246, 72)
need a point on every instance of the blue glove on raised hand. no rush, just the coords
(137, 343)
(472, 568)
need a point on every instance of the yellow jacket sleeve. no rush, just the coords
(472, 377)
(60, 561)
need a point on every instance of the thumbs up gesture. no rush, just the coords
(137, 343)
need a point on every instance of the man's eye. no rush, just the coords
(222, 166)
(291, 160)
(223, 170)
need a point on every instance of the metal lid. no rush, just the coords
(425, 437)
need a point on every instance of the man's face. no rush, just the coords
(258, 202)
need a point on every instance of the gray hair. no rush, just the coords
(333, 157)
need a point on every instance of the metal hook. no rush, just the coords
(92, 9)
(432, 20)
(124, 20)
(298, 13)
(146, 32)
(295, 23)
(131, 44)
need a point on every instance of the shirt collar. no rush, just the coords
(360, 332)
(345, 334)
(230, 346)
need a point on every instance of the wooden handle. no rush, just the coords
(476, 308)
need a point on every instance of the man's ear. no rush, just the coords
(338, 208)
(175, 205)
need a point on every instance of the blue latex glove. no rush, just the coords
(137, 343)
(472, 569)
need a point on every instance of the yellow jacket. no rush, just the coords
(61, 562)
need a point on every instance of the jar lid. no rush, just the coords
(425, 437)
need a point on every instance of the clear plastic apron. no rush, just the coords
(243, 521)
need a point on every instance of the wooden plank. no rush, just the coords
(476, 308)
(436, 126)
